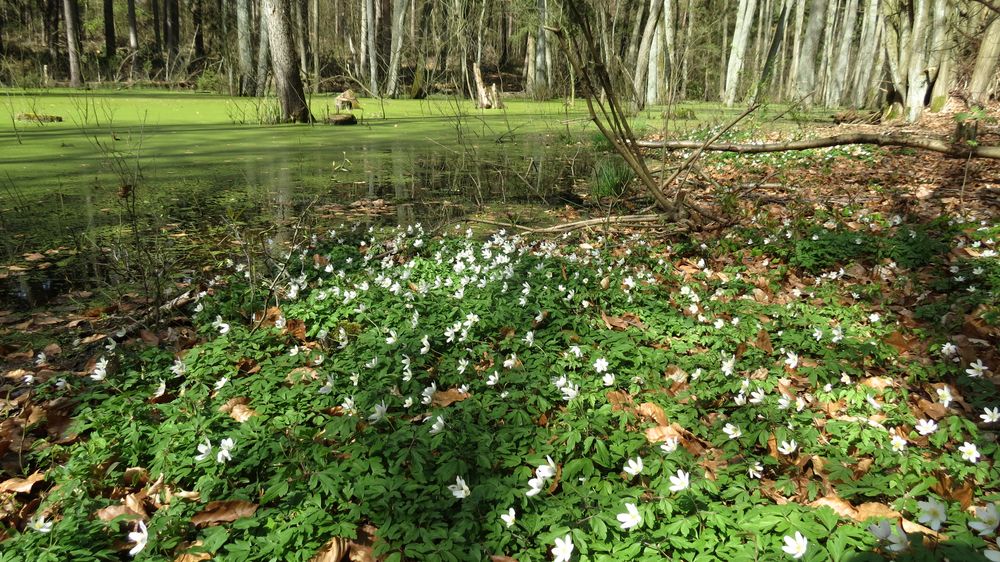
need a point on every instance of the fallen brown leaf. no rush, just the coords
(22, 485)
(238, 409)
(333, 551)
(448, 397)
(223, 512)
(622, 322)
(301, 374)
(619, 400)
(652, 412)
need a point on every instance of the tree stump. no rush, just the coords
(342, 119)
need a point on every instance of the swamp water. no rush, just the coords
(198, 184)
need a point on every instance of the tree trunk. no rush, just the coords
(654, 68)
(793, 69)
(540, 83)
(133, 29)
(172, 23)
(983, 77)
(806, 79)
(284, 61)
(916, 87)
(642, 60)
(263, 54)
(396, 50)
(314, 27)
(686, 51)
(370, 46)
(53, 11)
(109, 30)
(767, 68)
(300, 11)
(724, 52)
(744, 22)
(154, 7)
(938, 69)
(199, 29)
(866, 52)
(835, 90)
(826, 60)
(244, 48)
(72, 43)
(633, 45)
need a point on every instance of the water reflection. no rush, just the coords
(272, 191)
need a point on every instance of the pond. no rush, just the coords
(195, 172)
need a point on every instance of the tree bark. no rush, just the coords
(300, 10)
(806, 75)
(744, 23)
(645, 46)
(244, 49)
(285, 62)
(940, 49)
(916, 87)
(835, 90)
(172, 24)
(72, 43)
(133, 29)
(199, 29)
(908, 141)
(793, 69)
(540, 82)
(370, 46)
(866, 52)
(263, 54)
(396, 50)
(110, 42)
(154, 7)
(983, 77)
(826, 60)
(314, 27)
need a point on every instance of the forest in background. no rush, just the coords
(897, 56)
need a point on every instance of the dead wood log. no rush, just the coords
(908, 141)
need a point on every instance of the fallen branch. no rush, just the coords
(921, 143)
(632, 220)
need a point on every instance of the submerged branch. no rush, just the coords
(922, 143)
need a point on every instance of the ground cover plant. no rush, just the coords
(814, 390)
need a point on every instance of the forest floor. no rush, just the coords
(817, 378)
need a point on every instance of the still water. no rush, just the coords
(80, 204)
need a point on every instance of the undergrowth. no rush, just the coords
(754, 397)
